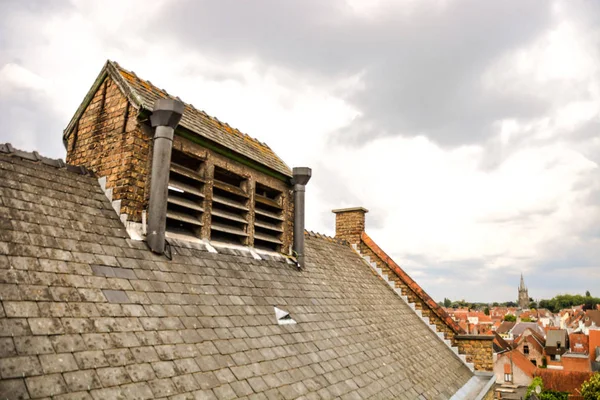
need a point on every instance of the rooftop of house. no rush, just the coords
(518, 360)
(557, 336)
(561, 380)
(87, 310)
(505, 327)
(579, 343)
(519, 328)
(500, 345)
(142, 95)
(592, 317)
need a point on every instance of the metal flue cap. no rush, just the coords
(301, 175)
(167, 112)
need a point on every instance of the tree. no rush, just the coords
(533, 305)
(447, 302)
(590, 390)
(525, 319)
(587, 293)
(486, 311)
(510, 317)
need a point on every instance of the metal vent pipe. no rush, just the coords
(165, 117)
(301, 177)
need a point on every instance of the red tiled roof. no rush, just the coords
(500, 343)
(561, 380)
(579, 343)
(408, 281)
(520, 361)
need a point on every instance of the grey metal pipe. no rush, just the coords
(301, 177)
(165, 117)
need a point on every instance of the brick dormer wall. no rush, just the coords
(215, 191)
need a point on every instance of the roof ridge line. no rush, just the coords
(426, 298)
(190, 105)
(326, 237)
(35, 157)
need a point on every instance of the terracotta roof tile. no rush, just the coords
(561, 380)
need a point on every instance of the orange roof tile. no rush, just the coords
(561, 380)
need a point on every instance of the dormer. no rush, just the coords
(223, 185)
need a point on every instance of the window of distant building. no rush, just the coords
(507, 377)
(526, 349)
(534, 362)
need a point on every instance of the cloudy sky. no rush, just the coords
(470, 129)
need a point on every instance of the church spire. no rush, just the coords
(522, 285)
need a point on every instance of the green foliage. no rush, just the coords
(510, 317)
(525, 319)
(561, 301)
(486, 311)
(587, 293)
(546, 394)
(537, 381)
(447, 302)
(590, 390)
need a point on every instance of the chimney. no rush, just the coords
(301, 177)
(165, 117)
(350, 223)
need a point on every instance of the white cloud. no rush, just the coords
(436, 208)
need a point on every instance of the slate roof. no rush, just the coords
(557, 335)
(142, 94)
(87, 310)
(414, 286)
(519, 328)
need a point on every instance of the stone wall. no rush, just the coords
(108, 141)
(478, 349)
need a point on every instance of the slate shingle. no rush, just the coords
(202, 324)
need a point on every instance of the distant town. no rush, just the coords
(560, 334)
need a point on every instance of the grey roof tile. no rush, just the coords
(202, 324)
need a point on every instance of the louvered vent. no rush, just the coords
(185, 204)
(268, 218)
(229, 214)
